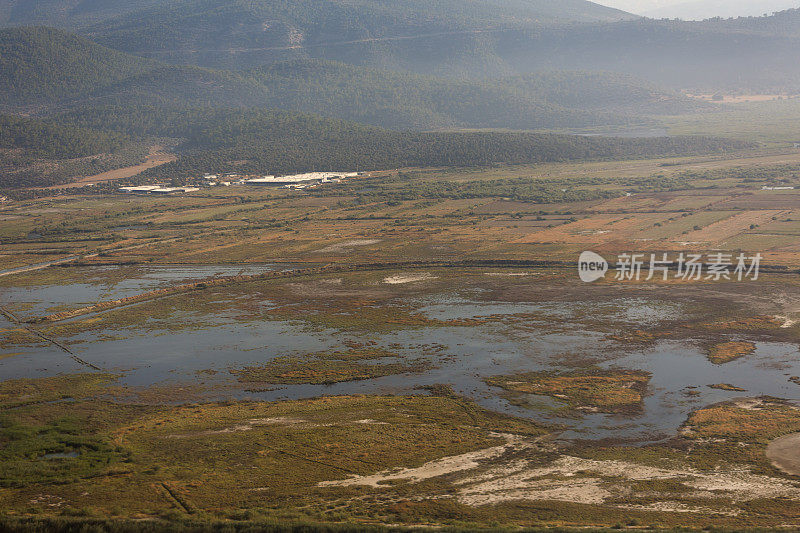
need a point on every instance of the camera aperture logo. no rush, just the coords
(591, 266)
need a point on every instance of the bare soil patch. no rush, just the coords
(785, 454)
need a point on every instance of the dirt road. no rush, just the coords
(155, 158)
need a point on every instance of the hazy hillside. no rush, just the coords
(705, 9)
(785, 23)
(608, 92)
(706, 55)
(237, 33)
(54, 140)
(67, 13)
(37, 153)
(100, 76)
(466, 39)
(250, 140)
(78, 13)
(545, 100)
(255, 140)
(336, 90)
(452, 38)
(40, 65)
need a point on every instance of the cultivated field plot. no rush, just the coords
(533, 212)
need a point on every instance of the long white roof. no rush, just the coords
(298, 178)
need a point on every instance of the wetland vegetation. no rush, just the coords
(603, 391)
(410, 348)
(300, 409)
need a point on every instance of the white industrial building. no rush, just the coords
(300, 179)
(156, 189)
(139, 188)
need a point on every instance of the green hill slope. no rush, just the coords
(257, 141)
(31, 77)
(47, 67)
(36, 153)
(240, 34)
(67, 13)
(50, 139)
(77, 13)
(253, 141)
(478, 41)
(413, 101)
(42, 65)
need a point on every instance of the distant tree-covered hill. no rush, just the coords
(31, 78)
(51, 139)
(240, 34)
(538, 101)
(364, 14)
(67, 13)
(785, 23)
(475, 39)
(35, 153)
(709, 55)
(261, 141)
(252, 140)
(465, 39)
(43, 65)
(710, 9)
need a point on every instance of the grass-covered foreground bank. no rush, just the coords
(79, 525)
(74, 458)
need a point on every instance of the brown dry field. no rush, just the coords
(246, 224)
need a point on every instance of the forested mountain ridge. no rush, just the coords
(242, 34)
(608, 92)
(67, 13)
(709, 55)
(453, 38)
(51, 139)
(786, 22)
(40, 153)
(30, 78)
(539, 101)
(40, 65)
(35, 153)
(750, 53)
(468, 13)
(259, 141)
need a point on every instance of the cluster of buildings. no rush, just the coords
(300, 181)
(295, 181)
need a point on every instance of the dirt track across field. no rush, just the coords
(155, 158)
(785, 453)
